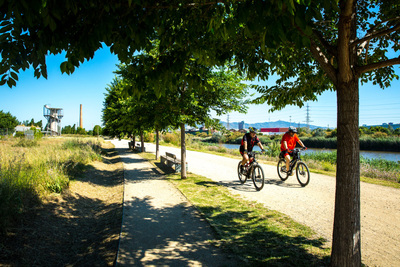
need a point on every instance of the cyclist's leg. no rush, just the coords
(245, 158)
(287, 160)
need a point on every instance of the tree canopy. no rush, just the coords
(7, 121)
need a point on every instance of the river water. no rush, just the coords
(393, 156)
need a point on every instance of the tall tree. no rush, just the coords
(325, 45)
(189, 94)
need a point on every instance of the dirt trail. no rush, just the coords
(314, 204)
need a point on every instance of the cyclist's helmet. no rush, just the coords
(292, 129)
(252, 130)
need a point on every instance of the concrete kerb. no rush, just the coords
(159, 225)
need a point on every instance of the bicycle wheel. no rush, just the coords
(282, 170)
(303, 174)
(258, 177)
(242, 177)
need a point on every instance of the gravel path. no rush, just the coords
(312, 205)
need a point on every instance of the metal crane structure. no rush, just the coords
(53, 116)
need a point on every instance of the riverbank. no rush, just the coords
(386, 155)
(377, 171)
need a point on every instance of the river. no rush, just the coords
(393, 156)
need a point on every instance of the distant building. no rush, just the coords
(23, 128)
(241, 125)
(274, 130)
(28, 133)
(53, 116)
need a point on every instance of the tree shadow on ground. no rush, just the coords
(171, 236)
(262, 242)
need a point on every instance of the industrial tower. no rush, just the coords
(53, 116)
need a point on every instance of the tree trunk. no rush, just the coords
(183, 152)
(346, 248)
(142, 141)
(157, 144)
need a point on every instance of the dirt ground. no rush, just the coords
(80, 227)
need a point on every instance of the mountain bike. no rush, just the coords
(253, 169)
(302, 172)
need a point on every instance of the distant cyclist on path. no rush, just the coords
(249, 140)
(288, 143)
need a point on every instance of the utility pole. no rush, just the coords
(228, 123)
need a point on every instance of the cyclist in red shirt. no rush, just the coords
(249, 140)
(288, 143)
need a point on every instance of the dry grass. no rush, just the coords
(81, 226)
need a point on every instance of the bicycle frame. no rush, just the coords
(297, 165)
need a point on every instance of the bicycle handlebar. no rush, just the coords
(297, 150)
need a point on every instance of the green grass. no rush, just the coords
(30, 170)
(253, 232)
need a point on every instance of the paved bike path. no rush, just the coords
(312, 205)
(159, 226)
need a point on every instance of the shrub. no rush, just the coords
(149, 137)
(273, 149)
(171, 138)
(217, 138)
(19, 134)
(379, 135)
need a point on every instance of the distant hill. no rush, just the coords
(272, 124)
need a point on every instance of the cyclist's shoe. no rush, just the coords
(290, 173)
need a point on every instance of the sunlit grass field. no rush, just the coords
(32, 169)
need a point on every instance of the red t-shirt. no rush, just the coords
(291, 141)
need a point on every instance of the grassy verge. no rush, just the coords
(31, 169)
(256, 234)
(78, 227)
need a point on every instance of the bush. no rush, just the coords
(20, 134)
(273, 149)
(217, 138)
(171, 138)
(149, 137)
(379, 135)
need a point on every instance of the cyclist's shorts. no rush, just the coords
(242, 153)
(284, 153)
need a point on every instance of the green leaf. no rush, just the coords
(11, 82)
(14, 76)
(63, 67)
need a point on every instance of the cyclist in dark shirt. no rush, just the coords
(249, 140)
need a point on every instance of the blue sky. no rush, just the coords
(87, 85)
